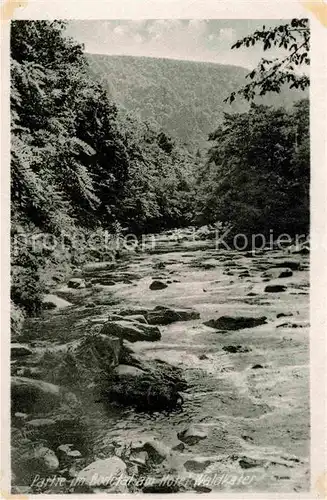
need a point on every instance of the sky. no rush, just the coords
(193, 39)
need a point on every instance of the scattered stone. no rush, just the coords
(201, 489)
(283, 315)
(203, 357)
(197, 464)
(252, 294)
(76, 283)
(161, 315)
(278, 273)
(131, 331)
(249, 463)
(275, 288)
(19, 350)
(245, 274)
(235, 323)
(158, 285)
(101, 472)
(233, 349)
(256, 367)
(192, 435)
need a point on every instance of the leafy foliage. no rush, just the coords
(257, 172)
(271, 75)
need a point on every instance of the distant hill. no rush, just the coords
(184, 98)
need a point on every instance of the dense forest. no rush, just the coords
(184, 98)
(81, 162)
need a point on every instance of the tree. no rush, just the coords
(272, 74)
(257, 173)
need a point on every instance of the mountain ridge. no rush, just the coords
(183, 98)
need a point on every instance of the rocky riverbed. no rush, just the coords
(181, 360)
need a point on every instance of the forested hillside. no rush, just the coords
(184, 98)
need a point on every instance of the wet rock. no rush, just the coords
(197, 464)
(244, 274)
(202, 357)
(283, 315)
(235, 322)
(158, 285)
(51, 301)
(192, 435)
(275, 288)
(256, 367)
(161, 315)
(233, 349)
(19, 350)
(101, 472)
(130, 331)
(278, 273)
(76, 283)
(249, 463)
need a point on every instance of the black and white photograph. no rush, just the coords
(160, 256)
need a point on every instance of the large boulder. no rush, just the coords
(149, 386)
(235, 322)
(131, 331)
(34, 395)
(101, 473)
(161, 315)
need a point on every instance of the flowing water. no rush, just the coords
(252, 404)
